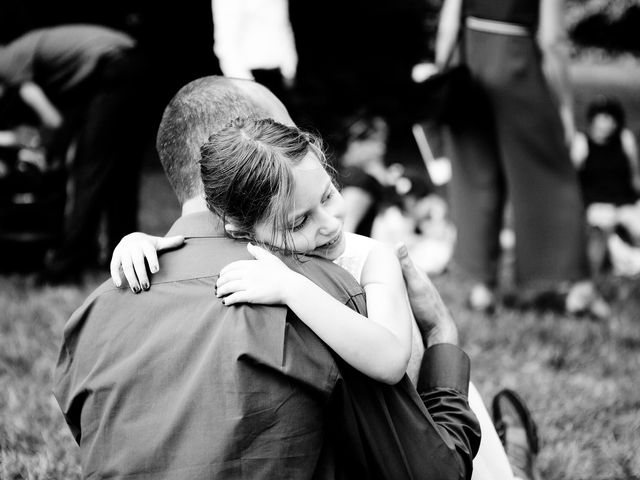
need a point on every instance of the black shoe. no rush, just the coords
(518, 433)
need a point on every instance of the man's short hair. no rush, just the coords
(199, 109)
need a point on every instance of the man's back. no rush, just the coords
(173, 384)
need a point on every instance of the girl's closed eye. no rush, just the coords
(301, 223)
(330, 194)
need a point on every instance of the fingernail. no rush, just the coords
(154, 269)
(135, 289)
(223, 302)
(117, 283)
(145, 286)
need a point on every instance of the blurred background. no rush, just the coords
(78, 170)
(354, 59)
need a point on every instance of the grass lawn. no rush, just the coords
(580, 377)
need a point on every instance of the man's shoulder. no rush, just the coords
(330, 277)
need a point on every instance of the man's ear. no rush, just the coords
(235, 232)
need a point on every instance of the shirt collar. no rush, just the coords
(198, 225)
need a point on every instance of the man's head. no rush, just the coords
(199, 109)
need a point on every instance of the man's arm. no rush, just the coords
(443, 381)
(394, 431)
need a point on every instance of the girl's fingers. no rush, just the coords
(238, 264)
(130, 274)
(114, 268)
(140, 269)
(231, 275)
(165, 243)
(238, 297)
(258, 253)
(152, 258)
(230, 287)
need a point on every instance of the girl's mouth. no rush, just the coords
(332, 242)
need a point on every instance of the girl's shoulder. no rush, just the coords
(356, 251)
(361, 252)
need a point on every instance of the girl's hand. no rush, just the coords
(263, 280)
(130, 254)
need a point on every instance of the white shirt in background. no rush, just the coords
(253, 34)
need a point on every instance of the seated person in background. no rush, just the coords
(606, 157)
(420, 218)
(363, 173)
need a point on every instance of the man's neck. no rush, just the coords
(194, 205)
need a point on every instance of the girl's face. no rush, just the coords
(315, 224)
(602, 127)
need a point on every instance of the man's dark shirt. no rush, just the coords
(173, 384)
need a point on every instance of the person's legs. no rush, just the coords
(548, 212)
(477, 196)
(135, 133)
(105, 165)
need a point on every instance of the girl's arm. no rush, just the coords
(130, 255)
(630, 147)
(378, 346)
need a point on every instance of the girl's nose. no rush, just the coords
(330, 225)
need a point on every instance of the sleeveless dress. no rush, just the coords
(606, 174)
(356, 252)
(512, 143)
(491, 462)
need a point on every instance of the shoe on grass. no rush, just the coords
(518, 432)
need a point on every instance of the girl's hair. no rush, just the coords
(247, 171)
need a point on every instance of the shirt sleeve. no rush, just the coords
(17, 59)
(398, 432)
(443, 386)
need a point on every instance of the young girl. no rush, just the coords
(269, 184)
(608, 164)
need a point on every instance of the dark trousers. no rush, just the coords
(512, 146)
(111, 132)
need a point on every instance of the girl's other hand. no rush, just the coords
(130, 254)
(263, 280)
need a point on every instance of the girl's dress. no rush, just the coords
(491, 462)
(605, 176)
(357, 249)
(512, 143)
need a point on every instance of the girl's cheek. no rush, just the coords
(301, 242)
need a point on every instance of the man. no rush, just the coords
(172, 384)
(93, 76)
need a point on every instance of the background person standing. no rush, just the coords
(514, 142)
